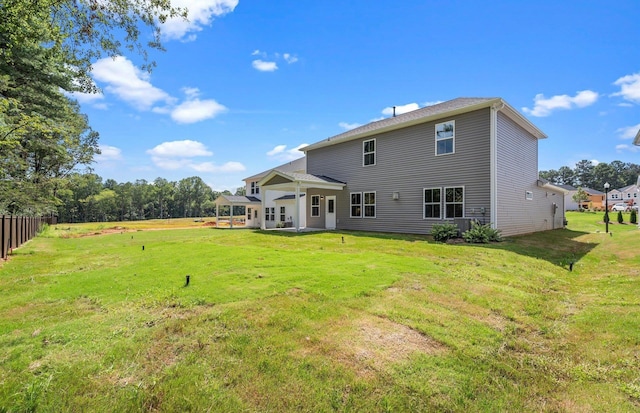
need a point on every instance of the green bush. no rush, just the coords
(620, 217)
(634, 217)
(605, 219)
(443, 232)
(481, 234)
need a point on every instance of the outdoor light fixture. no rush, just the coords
(395, 196)
(606, 206)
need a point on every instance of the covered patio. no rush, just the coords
(236, 200)
(296, 183)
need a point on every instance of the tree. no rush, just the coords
(46, 49)
(584, 173)
(566, 176)
(580, 196)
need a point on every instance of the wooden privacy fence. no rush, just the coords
(15, 231)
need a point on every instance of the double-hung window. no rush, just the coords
(454, 202)
(315, 205)
(283, 214)
(369, 204)
(356, 205)
(363, 204)
(255, 189)
(369, 152)
(445, 137)
(432, 203)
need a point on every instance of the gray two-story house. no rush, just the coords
(468, 158)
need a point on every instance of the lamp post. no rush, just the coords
(606, 206)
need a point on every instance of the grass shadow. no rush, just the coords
(559, 246)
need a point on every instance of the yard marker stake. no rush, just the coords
(186, 284)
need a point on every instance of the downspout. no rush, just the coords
(493, 174)
(297, 212)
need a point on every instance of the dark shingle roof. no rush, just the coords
(458, 105)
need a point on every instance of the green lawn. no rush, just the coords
(275, 321)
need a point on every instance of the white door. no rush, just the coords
(330, 213)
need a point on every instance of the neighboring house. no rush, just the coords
(468, 158)
(595, 199)
(277, 208)
(636, 141)
(629, 195)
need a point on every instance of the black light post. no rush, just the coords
(606, 206)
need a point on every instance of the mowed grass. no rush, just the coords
(325, 321)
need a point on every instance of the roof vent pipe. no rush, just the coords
(394, 111)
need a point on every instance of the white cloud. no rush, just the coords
(278, 149)
(128, 82)
(211, 167)
(629, 87)
(544, 107)
(435, 102)
(400, 109)
(349, 126)
(132, 85)
(624, 147)
(281, 153)
(289, 58)
(270, 64)
(108, 154)
(180, 149)
(263, 66)
(201, 13)
(196, 110)
(86, 97)
(628, 132)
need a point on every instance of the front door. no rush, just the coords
(330, 213)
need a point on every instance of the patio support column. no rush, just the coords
(297, 212)
(263, 221)
(217, 216)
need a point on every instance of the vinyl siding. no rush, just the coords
(406, 163)
(517, 173)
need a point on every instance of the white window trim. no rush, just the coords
(375, 208)
(444, 200)
(314, 197)
(453, 138)
(351, 205)
(528, 195)
(424, 204)
(375, 148)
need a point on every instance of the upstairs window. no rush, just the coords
(432, 203)
(255, 189)
(369, 152)
(454, 202)
(445, 137)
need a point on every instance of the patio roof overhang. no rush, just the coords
(236, 200)
(281, 181)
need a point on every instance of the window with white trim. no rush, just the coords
(454, 202)
(255, 189)
(432, 203)
(369, 203)
(283, 214)
(369, 152)
(445, 137)
(249, 214)
(315, 205)
(356, 205)
(273, 213)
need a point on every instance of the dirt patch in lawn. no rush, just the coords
(370, 344)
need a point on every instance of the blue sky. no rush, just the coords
(246, 83)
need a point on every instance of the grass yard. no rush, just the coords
(275, 321)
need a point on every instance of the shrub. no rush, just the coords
(443, 232)
(620, 218)
(481, 234)
(634, 217)
(605, 219)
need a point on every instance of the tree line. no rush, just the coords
(586, 174)
(87, 198)
(46, 51)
